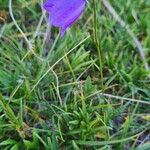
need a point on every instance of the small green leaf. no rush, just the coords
(8, 142)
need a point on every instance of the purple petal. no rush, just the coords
(67, 25)
(67, 13)
(63, 13)
(51, 5)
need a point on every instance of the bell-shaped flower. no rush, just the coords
(63, 13)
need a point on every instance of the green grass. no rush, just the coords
(51, 96)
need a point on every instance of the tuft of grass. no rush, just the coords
(50, 93)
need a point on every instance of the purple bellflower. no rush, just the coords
(63, 13)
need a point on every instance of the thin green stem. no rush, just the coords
(96, 40)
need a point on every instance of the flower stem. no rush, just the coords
(97, 44)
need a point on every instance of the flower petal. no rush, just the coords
(68, 13)
(63, 13)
